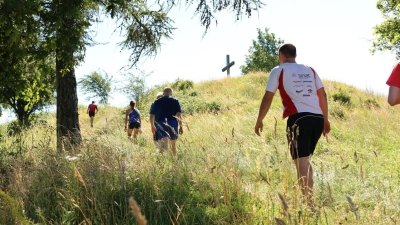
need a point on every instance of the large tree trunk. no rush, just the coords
(68, 131)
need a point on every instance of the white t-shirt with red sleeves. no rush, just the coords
(298, 85)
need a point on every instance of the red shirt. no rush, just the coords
(92, 107)
(394, 79)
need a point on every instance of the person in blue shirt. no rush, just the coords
(132, 116)
(165, 116)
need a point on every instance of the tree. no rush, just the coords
(26, 72)
(263, 55)
(97, 85)
(33, 91)
(387, 34)
(64, 29)
(135, 86)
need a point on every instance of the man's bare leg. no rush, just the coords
(305, 177)
(173, 146)
(91, 121)
(164, 144)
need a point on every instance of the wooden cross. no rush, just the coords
(228, 66)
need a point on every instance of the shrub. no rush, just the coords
(182, 85)
(371, 103)
(342, 97)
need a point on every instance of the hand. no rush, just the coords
(258, 127)
(140, 130)
(125, 128)
(180, 130)
(153, 129)
(327, 127)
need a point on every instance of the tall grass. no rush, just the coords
(223, 173)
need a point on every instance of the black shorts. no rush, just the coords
(303, 131)
(91, 114)
(133, 125)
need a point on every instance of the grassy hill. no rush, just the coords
(223, 173)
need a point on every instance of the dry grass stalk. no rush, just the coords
(284, 204)
(353, 207)
(79, 176)
(135, 209)
(361, 174)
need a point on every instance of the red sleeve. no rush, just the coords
(394, 79)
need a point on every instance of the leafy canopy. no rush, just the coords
(263, 55)
(96, 85)
(387, 34)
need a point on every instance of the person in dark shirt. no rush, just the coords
(165, 116)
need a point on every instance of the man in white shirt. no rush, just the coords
(305, 104)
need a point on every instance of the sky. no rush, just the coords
(334, 37)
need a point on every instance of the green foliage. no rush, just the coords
(182, 85)
(97, 85)
(387, 36)
(27, 74)
(342, 97)
(263, 55)
(10, 212)
(134, 87)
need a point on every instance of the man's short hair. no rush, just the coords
(288, 50)
(92, 102)
(159, 95)
(132, 103)
(168, 91)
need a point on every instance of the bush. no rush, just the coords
(342, 97)
(371, 103)
(182, 85)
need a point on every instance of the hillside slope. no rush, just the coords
(223, 174)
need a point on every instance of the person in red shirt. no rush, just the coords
(394, 86)
(92, 111)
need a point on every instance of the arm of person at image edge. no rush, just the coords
(394, 86)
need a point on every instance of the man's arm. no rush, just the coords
(264, 108)
(394, 95)
(179, 117)
(153, 128)
(97, 109)
(323, 103)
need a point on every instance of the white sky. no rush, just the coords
(334, 37)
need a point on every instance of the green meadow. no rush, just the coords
(223, 173)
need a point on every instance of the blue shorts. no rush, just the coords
(167, 129)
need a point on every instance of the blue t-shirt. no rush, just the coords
(165, 108)
(134, 116)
